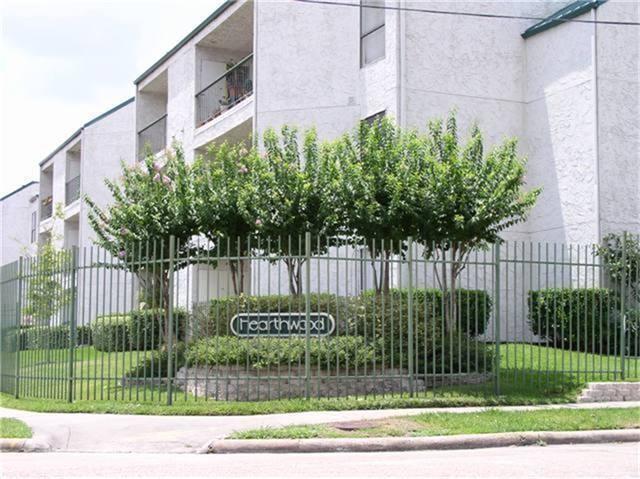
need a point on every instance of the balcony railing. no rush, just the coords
(72, 190)
(46, 210)
(223, 93)
(153, 136)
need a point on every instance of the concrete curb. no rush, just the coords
(34, 444)
(467, 441)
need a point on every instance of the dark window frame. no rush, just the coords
(371, 119)
(364, 35)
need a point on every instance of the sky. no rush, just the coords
(63, 62)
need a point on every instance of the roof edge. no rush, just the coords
(219, 11)
(79, 130)
(19, 189)
(568, 12)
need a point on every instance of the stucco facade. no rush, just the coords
(17, 222)
(570, 93)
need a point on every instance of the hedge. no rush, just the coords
(343, 352)
(577, 319)
(155, 363)
(354, 315)
(451, 354)
(146, 326)
(137, 330)
(52, 337)
(111, 333)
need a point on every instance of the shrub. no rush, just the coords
(110, 333)
(44, 337)
(214, 318)
(146, 325)
(155, 363)
(576, 319)
(455, 354)
(335, 352)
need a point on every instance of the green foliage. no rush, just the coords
(296, 194)
(576, 319)
(155, 364)
(52, 337)
(111, 333)
(343, 352)
(619, 265)
(471, 197)
(152, 200)
(227, 183)
(146, 325)
(48, 289)
(44, 337)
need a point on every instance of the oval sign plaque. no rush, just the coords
(248, 325)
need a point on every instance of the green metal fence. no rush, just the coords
(258, 319)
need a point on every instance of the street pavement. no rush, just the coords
(574, 461)
(180, 434)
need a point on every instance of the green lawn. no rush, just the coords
(13, 428)
(529, 375)
(445, 424)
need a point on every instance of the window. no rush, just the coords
(371, 31)
(370, 120)
(34, 221)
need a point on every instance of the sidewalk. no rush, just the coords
(183, 434)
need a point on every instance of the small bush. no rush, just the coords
(155, 364)
(576, 319)
(44, 337)
(343, 352)
(110, 333)
(146, 326)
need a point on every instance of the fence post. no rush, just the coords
(496, 316)
(169, 306)
(307, 311)
(18, 324)
(410, 333)
(73, 318)
(623, 292)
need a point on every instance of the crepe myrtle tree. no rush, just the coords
(297, 195)
(378, 165)
(228, 180)
(153, 200)
(466, 198)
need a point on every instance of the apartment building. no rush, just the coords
(554, 74)
(568, 90)
(78, 168)
(18, 222)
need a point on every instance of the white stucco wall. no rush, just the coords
(15, 222)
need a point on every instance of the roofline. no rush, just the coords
(568, 12)
(89, 123)
(219, 11)
(17, 190)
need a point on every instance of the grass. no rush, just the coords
(446, 424)
(529, 375)
(13, 428)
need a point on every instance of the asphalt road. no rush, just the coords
(580, 461)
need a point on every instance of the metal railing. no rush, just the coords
(72, 190)
(258, 319)
(46, 209)
(153, 137)
(226, 91)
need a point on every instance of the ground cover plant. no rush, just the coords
(11, 428)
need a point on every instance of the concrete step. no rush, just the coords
(610, 391)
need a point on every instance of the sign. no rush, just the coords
(247, 325)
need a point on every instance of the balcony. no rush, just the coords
(72, 190)
(153, 137)
(226, 91)
(46, 210)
